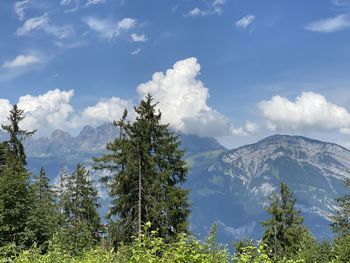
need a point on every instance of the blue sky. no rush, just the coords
(238, 70)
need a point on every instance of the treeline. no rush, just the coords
(147, 221)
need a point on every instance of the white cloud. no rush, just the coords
(214, 8)
(108, 29)
(5, 107)
(138, 38)
(21, 61)
(33, 24)
(42, 23)
(48, 111)
(183, 100)
(310, 111)
(106, 110)
(136, 51)
(248, 128)
(219, 2)
(245, 21)
(65, 2)
(94, 2)
(19, 8)
(53, 110)
(196, 12)
(126, 23)
(329, 25)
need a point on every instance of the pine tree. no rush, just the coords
(147, 169)
(341, 220)
(14, 183)
(83, 199)
(15, 150)
(80, 222)
(285, 234)
(43, 216)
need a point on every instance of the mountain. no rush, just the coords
(228, 187)
(232, 189)
(89, 141)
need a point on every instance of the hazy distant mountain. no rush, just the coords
(232, 187)
(229, 187)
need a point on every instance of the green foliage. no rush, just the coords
(79, 219)
(14, 203)
(147, 172)
(43, 216)
(341, 220)
(148, 248)
(285, 235)
(16, 157)
(342, 249)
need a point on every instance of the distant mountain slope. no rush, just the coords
(234, 188)
(229, 187)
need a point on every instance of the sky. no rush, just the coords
(236, 70)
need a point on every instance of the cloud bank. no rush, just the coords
(309, 111)
(183, 99)
(181, 96)
(53, 110)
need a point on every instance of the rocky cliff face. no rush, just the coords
(241, 180)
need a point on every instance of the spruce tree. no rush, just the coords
(147, 171)
(80, 222)
(15, 150)
(341, 220)
(43, 216)
(15, 196)
(285, 235)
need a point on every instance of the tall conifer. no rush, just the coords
(147, 169)
(285, 233)
(43, 217)
(15, 196)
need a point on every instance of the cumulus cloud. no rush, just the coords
(19, 8)
(53, 110)
(108, 29)
(182, 97)
(50, 110)
(309, 111)
(248, 128)
(183, 100)
(106, 110)
(138, 37)
(5, 107)
(245, 21)
(329, 25)
(21, 61)
(43, 23)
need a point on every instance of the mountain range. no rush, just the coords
(228, 187)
